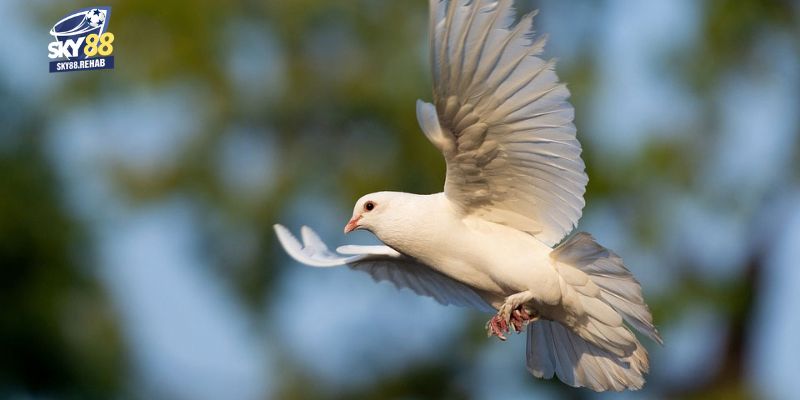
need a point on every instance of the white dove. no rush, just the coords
(514, 190)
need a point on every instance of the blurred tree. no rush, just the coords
(58, 335)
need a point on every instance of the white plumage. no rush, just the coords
(514, 189)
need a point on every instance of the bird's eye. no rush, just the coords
(369, 206)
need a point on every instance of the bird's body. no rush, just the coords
(496, 239)
(495, 260)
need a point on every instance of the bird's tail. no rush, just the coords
(555, 349)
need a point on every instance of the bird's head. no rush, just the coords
(369, 212)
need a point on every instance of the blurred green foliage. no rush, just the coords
(58, 335)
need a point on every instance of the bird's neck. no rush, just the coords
(416, 222)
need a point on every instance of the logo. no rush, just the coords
(82, 41)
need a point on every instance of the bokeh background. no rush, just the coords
(137, 258)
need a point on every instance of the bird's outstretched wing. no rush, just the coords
(384, 264)
(502, 120)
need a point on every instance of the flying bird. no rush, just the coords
(496, 239)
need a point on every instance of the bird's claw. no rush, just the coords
(497, 326)
(501, 323)
(519, 318)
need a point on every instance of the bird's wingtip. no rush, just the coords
(282, 232)
(280, 229)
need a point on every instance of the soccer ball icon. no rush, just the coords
(96, 17)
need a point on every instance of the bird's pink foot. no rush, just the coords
(520, 317)
(497, 326)
(501, 323)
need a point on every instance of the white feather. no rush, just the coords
(382, 264)
(553, 349)
(505, 126)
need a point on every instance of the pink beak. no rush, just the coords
(352, 225)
